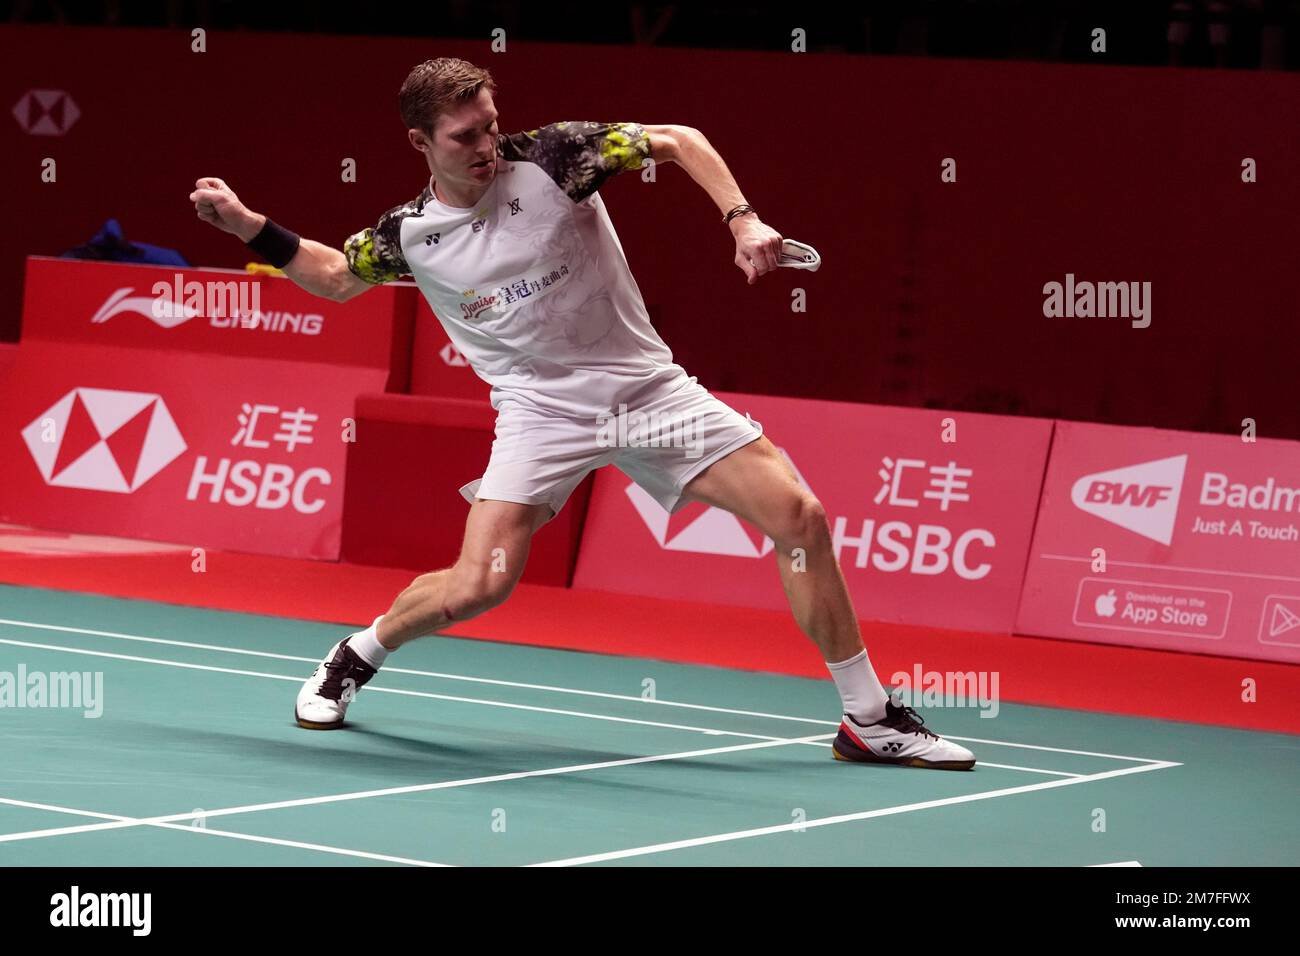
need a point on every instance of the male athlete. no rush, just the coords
(511, 244)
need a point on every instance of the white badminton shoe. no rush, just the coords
(799, 255)
(325, 696)
(900, 738)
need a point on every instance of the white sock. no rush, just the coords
(860, 690)
(365, 644)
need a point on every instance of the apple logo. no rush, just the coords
(1105, 604)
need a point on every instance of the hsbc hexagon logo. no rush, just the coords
(106, 440)
(451, 355)
(703, 528)
(46, 112)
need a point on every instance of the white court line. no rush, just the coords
(766, 742)
(1061, 750)
(846, 817)
(504, 683)
(390, 669)
(395, 690)
(1007, 766)
(1121, 863)
(126, 822)
(133, 821)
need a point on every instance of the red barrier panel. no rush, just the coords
(403, 506)
(175, 423)
(927, 530)
(8, 356)
(217, 311)
(1170, 540)
(437, 367)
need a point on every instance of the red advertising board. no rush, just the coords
(931, 514)
(171, 422)
(1170, 540)
(437, 366)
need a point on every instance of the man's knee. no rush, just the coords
(472, 591)
(799, 522)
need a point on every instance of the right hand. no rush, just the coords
(217, 204)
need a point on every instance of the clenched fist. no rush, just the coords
(216, 203)
(758, 246)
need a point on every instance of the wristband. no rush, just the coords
(737, 211)
(275, 244)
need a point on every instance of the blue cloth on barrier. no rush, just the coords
(109, 244)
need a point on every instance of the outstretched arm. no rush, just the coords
(315, 266)
(758, 246)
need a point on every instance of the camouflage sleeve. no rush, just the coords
(375, 254)
(580, 156)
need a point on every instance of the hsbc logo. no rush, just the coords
(703, 528)
(46, 112)
(103, 440)
(1140, 498)
(451, 355)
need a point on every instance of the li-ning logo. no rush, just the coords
(103, 440)
(228, 305)
(1140, 498)
(703, 529)
(167, 313)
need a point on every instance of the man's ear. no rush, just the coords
(420, 140)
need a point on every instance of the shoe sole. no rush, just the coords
(919, 762)
(315, 725)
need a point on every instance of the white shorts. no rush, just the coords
(539, 459)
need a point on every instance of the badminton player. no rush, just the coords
(511, 244)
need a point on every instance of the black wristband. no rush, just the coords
(738, 211)
(275, 244)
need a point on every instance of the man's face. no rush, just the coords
(463, 148)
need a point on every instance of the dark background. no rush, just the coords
(1110, 166)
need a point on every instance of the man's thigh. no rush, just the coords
(680, 437)
(498, 533)
(755, 482)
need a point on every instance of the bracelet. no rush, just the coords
(275, 244)
(738, 211)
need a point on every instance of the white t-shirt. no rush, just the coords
(531, 284)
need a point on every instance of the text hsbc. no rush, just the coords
(1118, 493)
(271, 486)
(930, 549)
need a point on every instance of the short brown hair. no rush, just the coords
(435, 86)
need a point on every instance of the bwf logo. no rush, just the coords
(1140, 498)
(74, 908)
